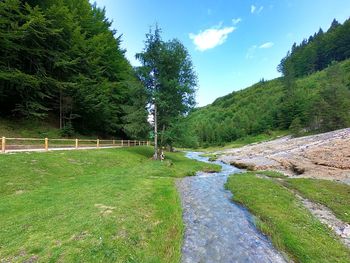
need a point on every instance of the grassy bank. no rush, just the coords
(24, 128)
(245, 141)
(282, 217)
(111, 205)
(335, 196)
(242, 141)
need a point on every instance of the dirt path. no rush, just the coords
(216, 229)
(323, 156)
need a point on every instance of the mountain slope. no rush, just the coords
(318, 102)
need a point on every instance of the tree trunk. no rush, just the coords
(155, 157)
(61, 113)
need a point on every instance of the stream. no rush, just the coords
(217, 229)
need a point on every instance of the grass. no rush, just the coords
(335, 196)
(271, 174)
(212, 157)
(107, 205)
(28, 129)
(282, 217)
(245, 141)
(34, 128)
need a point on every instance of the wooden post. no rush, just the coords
(147, 143)
(139, 143)
(128, 143)
(46, 144)
(3, 144)
(98, 143)
(122, 143)
(76, 143)
(113, 142)
(135, 143)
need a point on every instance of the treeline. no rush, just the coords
(318, 51)
(60, 59)
(317, 103)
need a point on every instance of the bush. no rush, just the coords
(67, 130)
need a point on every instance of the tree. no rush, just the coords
(61, 60)
(168, 76)
(334, 101)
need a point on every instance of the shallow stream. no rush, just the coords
(217, 229)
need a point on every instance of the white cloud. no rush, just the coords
(255, 10)
(235, 21)
(252, 9)
(266, 45)
(211, 37)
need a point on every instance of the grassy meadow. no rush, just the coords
(280, 215)
(110, 205)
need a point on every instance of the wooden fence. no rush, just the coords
(46, 144)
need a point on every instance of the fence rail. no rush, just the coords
(46, 144)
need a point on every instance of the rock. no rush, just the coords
(323, 156)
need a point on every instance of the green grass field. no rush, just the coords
(282, 217)
(110, 205)
(336, 196)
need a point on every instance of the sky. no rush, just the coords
(233, 43)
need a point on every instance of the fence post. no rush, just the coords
(128, 143)
(98, 143)
(122, 143)
(76, 143)
(46, 144)
(113, 142)
(147, 143)
(3, 144)
(135, 143)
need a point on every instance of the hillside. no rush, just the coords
(316, 103)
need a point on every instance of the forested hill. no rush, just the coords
(318, 51)
(61, 60)
(310, 97)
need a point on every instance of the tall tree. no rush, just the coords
(168, 76)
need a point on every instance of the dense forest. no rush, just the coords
(61, 60)
(313, 95)
(318, 51)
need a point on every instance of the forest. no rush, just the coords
(312, 96)
(61, 61)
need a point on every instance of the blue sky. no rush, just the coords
(233, 43)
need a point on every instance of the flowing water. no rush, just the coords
(217, 229)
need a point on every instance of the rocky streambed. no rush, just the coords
(322, 156)
(216, 229)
